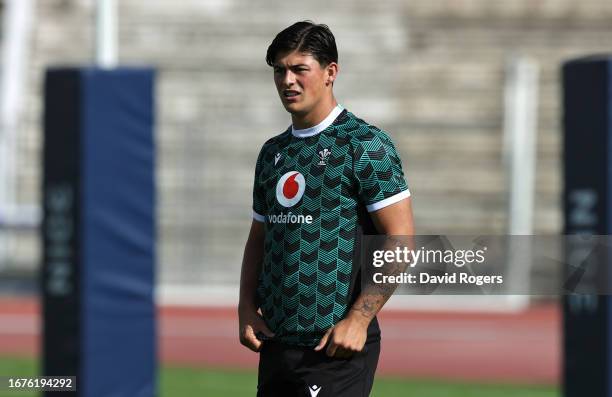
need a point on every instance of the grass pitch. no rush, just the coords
(190, 381)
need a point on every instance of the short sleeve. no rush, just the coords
(259, 198)
(378, 170)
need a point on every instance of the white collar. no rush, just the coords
(306, 132)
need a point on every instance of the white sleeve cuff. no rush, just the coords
(258, 217)
(388, 201)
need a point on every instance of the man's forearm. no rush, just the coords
(248, 280)
(374, 296)
(251, 267)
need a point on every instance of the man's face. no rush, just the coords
(300, 81)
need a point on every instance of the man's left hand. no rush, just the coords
(345, 338)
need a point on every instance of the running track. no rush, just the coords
(515, 348)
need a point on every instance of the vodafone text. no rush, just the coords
(289, 218)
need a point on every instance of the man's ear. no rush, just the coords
(332, 73)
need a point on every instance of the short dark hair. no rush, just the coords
(305, 36)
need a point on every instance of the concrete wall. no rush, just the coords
(431, 72)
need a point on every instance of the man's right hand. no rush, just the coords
(251, 323)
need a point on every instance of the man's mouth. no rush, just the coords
(290, 93)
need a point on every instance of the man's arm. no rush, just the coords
(349, 335)
(250, 321)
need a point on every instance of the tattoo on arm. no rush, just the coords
(369, 305)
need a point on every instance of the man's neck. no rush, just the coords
(314, 117)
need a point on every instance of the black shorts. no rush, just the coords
(294, 371)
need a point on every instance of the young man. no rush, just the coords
(319, 186)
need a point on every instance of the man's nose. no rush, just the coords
(289, 78)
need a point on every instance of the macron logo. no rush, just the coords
(314, 390)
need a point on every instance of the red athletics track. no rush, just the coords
(517, 348)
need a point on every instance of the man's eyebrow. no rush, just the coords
(292, 66)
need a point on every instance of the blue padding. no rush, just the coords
(587, 197)
(118, 256)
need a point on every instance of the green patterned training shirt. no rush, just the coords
(313, 189)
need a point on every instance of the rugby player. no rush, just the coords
(322, 184)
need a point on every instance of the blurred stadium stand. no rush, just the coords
(429, 72)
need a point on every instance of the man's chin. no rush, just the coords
(293, 108)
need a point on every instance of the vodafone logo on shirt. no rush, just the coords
(290, 188)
